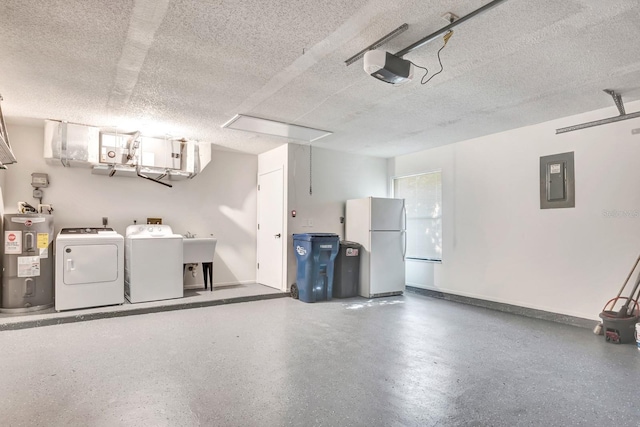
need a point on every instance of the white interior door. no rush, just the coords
(270, 229)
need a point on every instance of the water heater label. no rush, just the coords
(43, 240)
(28, 266)
(43, 244)
(13, 242)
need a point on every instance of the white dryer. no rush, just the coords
(89, 268)
(153, 263)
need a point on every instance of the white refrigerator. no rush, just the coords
(378, 224)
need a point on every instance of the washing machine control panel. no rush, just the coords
(149, 230)
(84, 230)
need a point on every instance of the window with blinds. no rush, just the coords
(423, 200)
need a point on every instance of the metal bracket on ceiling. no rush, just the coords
(450, 17)
(617, 99)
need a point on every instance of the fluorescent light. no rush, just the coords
(272, 127)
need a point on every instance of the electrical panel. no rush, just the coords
(39, 180)
(557, 181)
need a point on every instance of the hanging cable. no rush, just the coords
(446, 38)
(310, 170)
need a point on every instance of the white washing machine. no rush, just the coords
(153, 263)
(89, 268)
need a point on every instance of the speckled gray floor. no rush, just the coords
(192, 298)
(400, 361)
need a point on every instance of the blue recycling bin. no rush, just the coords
(315, 254)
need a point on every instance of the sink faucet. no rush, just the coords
(189, 235)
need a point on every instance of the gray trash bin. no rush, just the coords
(347, 270)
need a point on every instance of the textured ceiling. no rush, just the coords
(186, 67)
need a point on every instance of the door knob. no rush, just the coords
(278, 235)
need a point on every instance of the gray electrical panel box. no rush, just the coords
(557, 181)
(39, 180)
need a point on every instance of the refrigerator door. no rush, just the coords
(387, 214)
(386, 264)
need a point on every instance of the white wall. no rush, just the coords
(221, 201)
(337, 177)
(497, 242)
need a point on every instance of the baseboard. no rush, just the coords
(507, 308)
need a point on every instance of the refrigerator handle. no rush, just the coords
(404, 230)
(404, 212)
(404, 249)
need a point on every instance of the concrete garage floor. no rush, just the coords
(193, 298)
(402, 361)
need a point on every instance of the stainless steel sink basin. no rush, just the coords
(199, 249)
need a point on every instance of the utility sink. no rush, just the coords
(198, 249)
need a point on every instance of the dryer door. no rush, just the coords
(90, 263)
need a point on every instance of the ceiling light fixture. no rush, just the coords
(275, 128)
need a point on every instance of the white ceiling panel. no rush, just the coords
(186, 67)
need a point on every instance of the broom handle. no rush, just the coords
(624, 284)
(636, 301)
(625, 307)
(628, 277)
